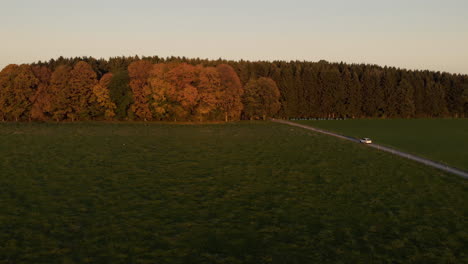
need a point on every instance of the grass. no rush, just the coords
(236, 193)
(442, 140)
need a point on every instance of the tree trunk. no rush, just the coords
(225, 116)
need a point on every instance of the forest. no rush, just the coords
(183, 89)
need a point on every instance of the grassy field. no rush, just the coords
(442, 140)
(236, 193)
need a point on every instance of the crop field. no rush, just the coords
(247, 192)
(442, 140)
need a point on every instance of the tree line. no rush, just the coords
(143, 90)
(183, 89)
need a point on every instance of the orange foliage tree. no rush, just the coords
(57, 94)
(18, 86)
(42, 100)
(209, 91)
(181, 91)
(101, 98)
(139, 72)
(232, 91)
(164, 91)
(7, 77)
(182, 77)
(80, 91)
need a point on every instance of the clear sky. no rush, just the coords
(414, 34)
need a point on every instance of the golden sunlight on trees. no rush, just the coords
(80, 91)
(209, 92)
(105, 107)
(162, 93)
(43, 98)
(182, 77)
(231, 92)
(18, 86)
(139, 73)
(181, 89)
(7, 76)
(59, 86)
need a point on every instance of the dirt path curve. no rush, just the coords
(383, 148)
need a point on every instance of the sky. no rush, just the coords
(411, 34)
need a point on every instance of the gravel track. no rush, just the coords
(424, 161)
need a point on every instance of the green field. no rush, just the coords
(230, 193)
(442, 140)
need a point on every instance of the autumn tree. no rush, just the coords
(80, 91)
(43, 98)
(18, 87)
(261, 98)
(163, 94)
(7, 77)
(101, 98)
(188, 98)
(182, 77)
(139, 72)
(231, 89)
(174, 88)
(57, 94)
(209, 91)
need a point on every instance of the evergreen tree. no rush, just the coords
(120, 93)
(311, 93)
(405, 107)
(353, 97)
(465, 99)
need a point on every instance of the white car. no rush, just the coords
(366, 140)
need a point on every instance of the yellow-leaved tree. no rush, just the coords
(101, 97)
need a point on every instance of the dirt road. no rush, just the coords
(383, 148)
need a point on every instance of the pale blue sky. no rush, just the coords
(414, 34)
